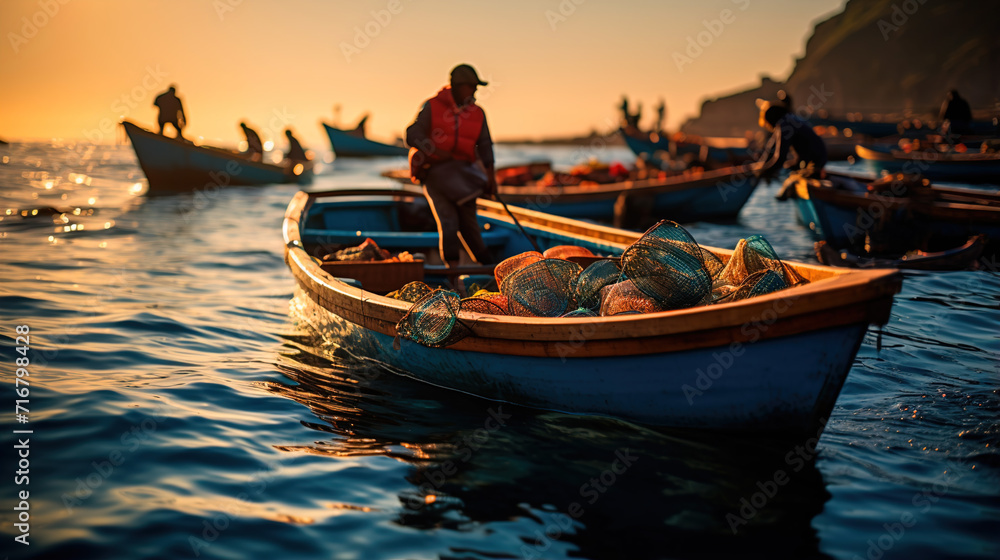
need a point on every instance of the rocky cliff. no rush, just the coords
(886, 59)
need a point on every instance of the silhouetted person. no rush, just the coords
(631, 120)
(295, 152)
(661, 115)
(171, 111)
(789, 131)
(255, 149)
(448, 135)
(624, 107)
(957, 112)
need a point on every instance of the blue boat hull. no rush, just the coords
(937, 168)
(719, 201)
(767, 386)
(718, 194)
(173, 165)
(806, 214)
(641, 147)
(842, 227)
(846, 220)
(883, 129)
(345, 144)
(769, 364)
(962, 172)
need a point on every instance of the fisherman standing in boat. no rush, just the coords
(446, 139)
(789, 131)
(957, 112)
(255, 150)
(171, 111)
(295, 154)
(661, 116)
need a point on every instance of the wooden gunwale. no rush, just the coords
(604, 191)
(927, 156)
(675, 183)
(868, 153)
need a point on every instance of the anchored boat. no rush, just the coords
(346, 143)
(174, 165)
(718, 194)
(967, 167)
(772, 363)
(644, 145)
(846, 210)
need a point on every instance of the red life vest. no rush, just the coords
(453, 128)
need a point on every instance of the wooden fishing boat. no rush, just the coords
(876, 129)
(959, 258)
(967, 167)
(718, 194)
(346, 143)
(773, 363)
(647, 146)
(173, 165)
(847, 210)
(872, 129)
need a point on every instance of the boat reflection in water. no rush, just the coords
(578, 485)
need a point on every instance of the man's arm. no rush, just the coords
(777, 154)
(484, 147)
(417, 135)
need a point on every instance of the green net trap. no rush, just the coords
(667, 264)
(542, 289)
(592, 280)
(664, 269)
(411, 292)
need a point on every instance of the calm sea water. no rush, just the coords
(181, 408)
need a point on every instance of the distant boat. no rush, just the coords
(718, 194)
(876, 129)
(173, 165)
(780, 377)
(847, 211)
(647, 146)
(346, 144)
(958, 258)
(967, 167)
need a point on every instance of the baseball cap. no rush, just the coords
(465, 74)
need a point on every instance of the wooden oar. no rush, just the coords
(517, 223)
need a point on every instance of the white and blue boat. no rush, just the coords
(174, 165)
(769, 364)
(346, 143)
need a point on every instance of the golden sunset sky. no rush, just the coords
(70, 68)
